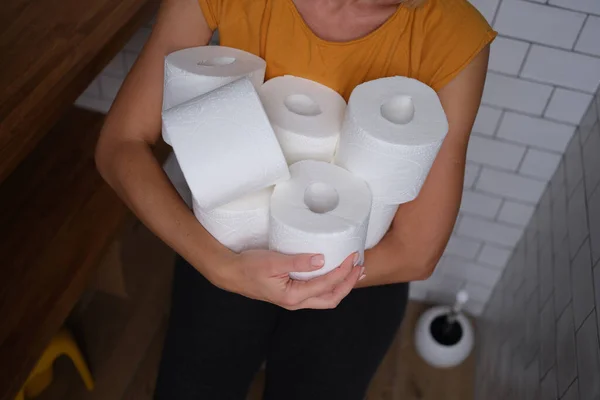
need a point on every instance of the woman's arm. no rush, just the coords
(421, 229)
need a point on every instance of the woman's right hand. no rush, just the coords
(264, 275)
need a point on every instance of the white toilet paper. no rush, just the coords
(392, 132)
(306, 117)
(175, 175)
(242, 224)
(322, 209)
(194, 71)
(225, 144)
(380, 220)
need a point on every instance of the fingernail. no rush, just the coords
(356, 257)
(317, 261)
(362, 271)
(363, 276)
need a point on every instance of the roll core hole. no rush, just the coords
(217, 61)
(302, 104)
(398, 110)
(321, 197)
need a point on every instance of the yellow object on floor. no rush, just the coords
(41, 376)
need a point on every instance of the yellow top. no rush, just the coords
(431, 43)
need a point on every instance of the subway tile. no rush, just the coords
(591, 159)
(582, 285)
(137, 41)
(531, 265)
(495, 153)
(546, 280)
(547, 337)
(566, 356)
(568, 106)
(544, 218)
(589, 120)
(487, 8)
(587, 6)
(494, 232)
(562, 278)
(416, 293)
(577, 220)
(515, 94)
(548, 385)
(93, 89)
(507, 55)
(564, 68)
(588, 39)
(532, 377)
(487, 120)
(109, 87)
(572, 393)
(480, 204)
(515, 213)
(493, 255)
(596, 273)
(532, 328)
(510, 185)
(475, 308)
(116, 67)
(594, 224)
(559, 216)
(471, 173)
(130, 59)
(460, 268)
(463, 247)
(538, 132)
(539, 23)
(573, 165)
(90, 103)
(557, 183)
(478, 293)
(588, 359)
(539, 164)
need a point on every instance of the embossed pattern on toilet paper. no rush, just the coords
(393, 156)
(225, 144)
(242, 224)
(380, 221)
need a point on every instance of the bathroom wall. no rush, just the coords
(538, 336)
(544, 68)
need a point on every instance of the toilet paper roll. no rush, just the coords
(322, 209)
(194, 71)
(392, 132)
(242, 224)
(306, 117)
(175, 175)
(380, 221)
(225, 144)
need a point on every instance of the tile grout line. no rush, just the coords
(585, 20)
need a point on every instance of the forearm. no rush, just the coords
(134, 173)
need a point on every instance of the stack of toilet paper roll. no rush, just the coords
(391, 134)
(287, 165)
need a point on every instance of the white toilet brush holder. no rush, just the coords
(444, 337)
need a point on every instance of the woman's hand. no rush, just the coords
(264, 275)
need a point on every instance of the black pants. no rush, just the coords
(217, 341)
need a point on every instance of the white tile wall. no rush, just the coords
(588, 6)
(480, 204)
(487, 120)
(494, 232)
(507, 55)
(539, 23)
(494, 153)
(515, 94)
(515, 213)
(568, 105)
(588, 40)
(539, 164)
(510, 185)
(537, 132)
(478, 293)
(563, 68)
(543, 67)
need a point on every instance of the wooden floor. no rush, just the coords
(123, 340)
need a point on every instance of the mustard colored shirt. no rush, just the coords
(431, 43)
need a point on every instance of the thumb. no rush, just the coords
(300, 263)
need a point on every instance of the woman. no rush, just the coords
(231, 312)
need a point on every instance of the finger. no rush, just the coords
(303, 290)
(297, 263)
(333, 299)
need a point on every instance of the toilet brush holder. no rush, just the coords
(444, 337)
